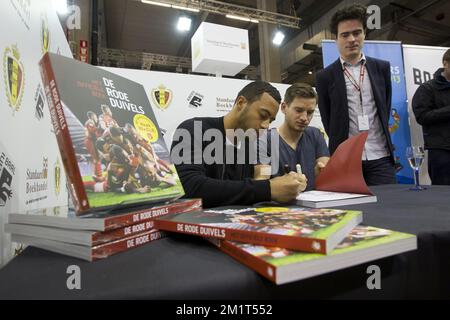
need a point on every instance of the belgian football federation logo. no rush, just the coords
(162, 97)
(45, 34)
(13, 72)
(57, 177)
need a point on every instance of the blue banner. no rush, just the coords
(398, 123)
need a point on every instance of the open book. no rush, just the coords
(341, 182)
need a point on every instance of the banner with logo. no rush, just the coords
(399, 121)
(421, 62)
(178, 97)
(31, 172)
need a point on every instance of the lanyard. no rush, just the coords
(356, 85)
(362, 72)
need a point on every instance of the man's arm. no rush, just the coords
(324, 99)
(424, 109)
(321, 163)
(322, 153)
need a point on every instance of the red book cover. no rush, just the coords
(90, 253)
(108, 249)
(343, 172)
(128, 231)
(113, 222)
(75, 182)
(65, 218)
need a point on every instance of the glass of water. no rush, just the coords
(415, 155)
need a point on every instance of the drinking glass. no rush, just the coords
(415, 156)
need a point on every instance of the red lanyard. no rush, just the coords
(362, 71)
(358, 86)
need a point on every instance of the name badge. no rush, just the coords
(363, 123)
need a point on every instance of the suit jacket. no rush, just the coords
(333, 105)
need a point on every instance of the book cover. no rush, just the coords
(110, 142)
(281, 266)
(341, 182)
(66, 218)
(309, 230)
(343, 172)
(91, 253)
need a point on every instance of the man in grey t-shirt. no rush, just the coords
(297, 143)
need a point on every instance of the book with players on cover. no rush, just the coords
(309, 230)
(91, 253)
(341, 182)
(81, 237)
(110, 142)
(66, 218)
(281, 266)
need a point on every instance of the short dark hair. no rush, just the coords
(299, 90)
(446, 56)
(90, 114)
(254, 90)
(115, 131)
(354, 12)
(100, 143)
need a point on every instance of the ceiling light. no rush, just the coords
(185, 8)
(162, 4)
(60, 6)
(278, 38)
(184, 24)
(241, 18)
(310, 72)
(156, 3)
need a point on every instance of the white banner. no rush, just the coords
(421, 62)
(31, 171)
(193, 96)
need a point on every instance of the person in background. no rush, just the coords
(298, 142)
(355, 96)
(431, 106)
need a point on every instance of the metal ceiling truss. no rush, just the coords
(144, 60)
(223, 8)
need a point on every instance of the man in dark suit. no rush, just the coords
(355, 96)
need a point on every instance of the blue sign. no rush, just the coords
(399, 121)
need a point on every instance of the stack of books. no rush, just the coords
(92, 236)
(120, 176)
(286, 244)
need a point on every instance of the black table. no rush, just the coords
(184, 267)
